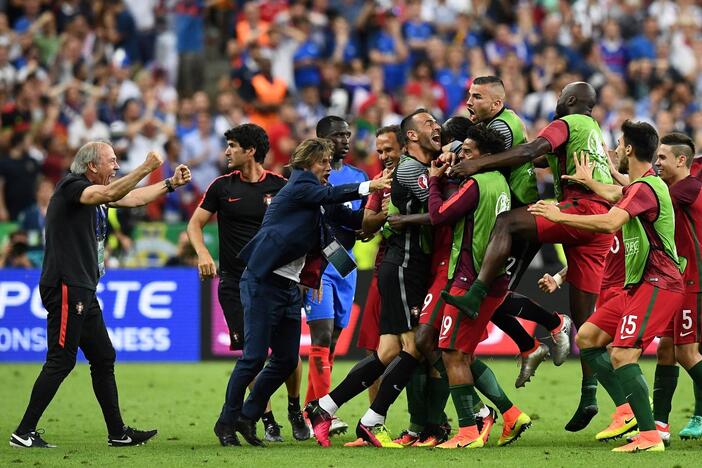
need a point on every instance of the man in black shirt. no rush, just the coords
(76, 226)
(240, 199)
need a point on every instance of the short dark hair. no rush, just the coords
(407, 124)
(642, 137)
(390, 129)
(488, 140)
(682, 145)
(250, 136)
(455, 128)
(324, 125)
(488, 79)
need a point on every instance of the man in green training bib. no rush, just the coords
(653, 281)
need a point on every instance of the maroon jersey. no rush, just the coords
(696, 169)
(687, 200)
(615, 272)
(459, 206)
(638, 199)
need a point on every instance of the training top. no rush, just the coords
(687, 201)
(571, 134)
(240, 206)
(649, 245)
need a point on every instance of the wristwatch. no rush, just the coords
(169, 185)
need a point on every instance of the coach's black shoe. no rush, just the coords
(247, 429)
(300, 429)
(31, 439)
(226, 435)
(582, 417)
(130, 437)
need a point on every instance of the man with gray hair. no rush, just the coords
(76, 228)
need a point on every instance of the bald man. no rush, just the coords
(573, 131)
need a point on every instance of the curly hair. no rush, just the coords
(250, 136)
(488, 140)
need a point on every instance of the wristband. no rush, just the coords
(169, 185)
(558, 279)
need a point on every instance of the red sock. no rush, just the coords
(319, 374)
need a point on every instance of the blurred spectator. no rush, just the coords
(643, 45)
(190, 32)
(202, 152)
(18, 176)
(31, 220)
(14, 254)
(86, 127)
(388, 49)
(185, 256)
(143, 12)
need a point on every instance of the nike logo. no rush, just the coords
(627, 421)
(397, 388)
(26, 443)
(232, 200)
(364, 384)
(126, 440)
(687, 333)
(624, 337)
(423, 313)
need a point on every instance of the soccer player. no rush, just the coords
(329, 308)
(76, 229)
(675, 157)
(574, 130)
(645, 214)
(486, 106)
(402, 280)
(239, 199)
(389, 149)
(472, 210)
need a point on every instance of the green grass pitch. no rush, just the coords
(183, 401)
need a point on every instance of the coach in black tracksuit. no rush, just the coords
(76, 226)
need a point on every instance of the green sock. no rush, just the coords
(636, 390)
(601, 365)
(437, 396)
(463, 401)
(416, 393)
(477, 402)
(588, 391)
(664, 383)
(469, 303)
(698, 399)
(486, 382)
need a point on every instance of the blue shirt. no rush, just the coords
(395, 73)
(417, 31)
(190, 26)
(455, 84)
(307, 75)
(641, 47)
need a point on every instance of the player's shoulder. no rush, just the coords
(275, 178)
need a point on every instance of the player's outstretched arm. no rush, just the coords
(100, 194)
(610, 222)
(515, 156)
(145, 195)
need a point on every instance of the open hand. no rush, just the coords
(583, 169)
(548, 210)
(437, 168)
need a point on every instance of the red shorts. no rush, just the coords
(685, 324)
(432, 310)
(369, 334)
(458, 332)
(607, 293)
(585, 250)
(608, 310)
(646, 314)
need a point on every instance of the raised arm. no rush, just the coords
(610, 222)
(583, 175)
(515, 156)
(101, 194)
(145, 195)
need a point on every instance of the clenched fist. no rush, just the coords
(153, 160)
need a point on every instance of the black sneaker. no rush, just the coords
(300, 429)
(226, 435)
(247, 428)
(130, 437)
(31, 439)
(273, 432)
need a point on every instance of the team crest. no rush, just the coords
(423, 182)
(79, 308)
(267, 199)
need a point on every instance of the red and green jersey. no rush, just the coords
(575, 134)
(614, 273)
(687, 200)
(472, 210)
(649, 245)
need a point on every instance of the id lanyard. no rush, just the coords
(100, 235)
